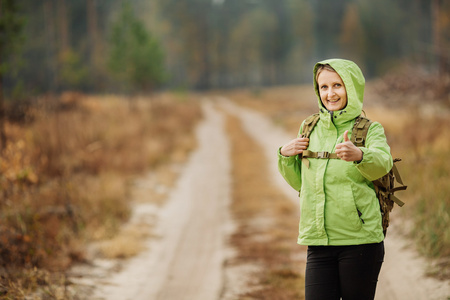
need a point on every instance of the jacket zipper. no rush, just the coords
(360, 214)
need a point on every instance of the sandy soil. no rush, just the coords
(187, 258)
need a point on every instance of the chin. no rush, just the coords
(334, 108)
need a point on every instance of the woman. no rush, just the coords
(340, 218)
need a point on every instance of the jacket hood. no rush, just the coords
(354, 83)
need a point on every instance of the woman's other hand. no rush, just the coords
(294, 147)
(348, 151)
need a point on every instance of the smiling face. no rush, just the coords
(332, 90)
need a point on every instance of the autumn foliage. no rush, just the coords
(65, 171)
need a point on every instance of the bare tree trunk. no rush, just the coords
(93, 30)
(2, 104)
(50, 37)
(94, 47)
(2, 114)
(441, 55)
(63, 26)
(437, 36)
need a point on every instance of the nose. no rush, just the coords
(331, 92)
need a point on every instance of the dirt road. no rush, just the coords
(186, 260)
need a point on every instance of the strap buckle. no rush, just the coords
(323, 154)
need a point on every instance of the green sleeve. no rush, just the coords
(290, 168)
(377, 159)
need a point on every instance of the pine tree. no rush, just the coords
(11, 26)
(136, 57)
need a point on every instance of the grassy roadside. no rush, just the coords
(267, 224)
(65, 179)
(417, 132)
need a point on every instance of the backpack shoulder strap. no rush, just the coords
(309, 124)
(359, 132)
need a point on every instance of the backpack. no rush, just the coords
(384, 186)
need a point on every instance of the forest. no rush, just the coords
(142, 45)
(96, 93)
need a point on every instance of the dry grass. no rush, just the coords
(417, 132)
(38, 284)
(425, 150)
(66, 173)
(267, 224)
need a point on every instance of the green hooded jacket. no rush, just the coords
(338, 203)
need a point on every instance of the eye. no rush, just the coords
(338, 85)
(323, 87)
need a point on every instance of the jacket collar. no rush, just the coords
(335, 118)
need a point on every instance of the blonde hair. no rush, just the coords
(327, 67)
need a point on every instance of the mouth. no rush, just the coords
(334, 101)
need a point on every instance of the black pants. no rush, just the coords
(347, 272)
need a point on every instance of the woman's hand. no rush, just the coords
(294, 147)
(348, 151)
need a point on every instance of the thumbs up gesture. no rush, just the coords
(347, 150)
(346, 136)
